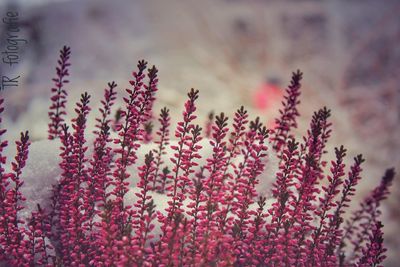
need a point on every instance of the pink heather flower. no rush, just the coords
(247, 193)
(39, 229)
(102, 159)
(12, 239)
(214, 215)
(195, 207)
(255, 238)
(138, 106)
(214, 190)
(61, 192)
(283, 192)
(162, 142)
(289, 113)
(188, 135)
(144, 215)
(233, 150)
(334, 233)
(359, 227)
(95, 194)
(57, 108)
(73, 231)
(373, 253)
(322, 232)
(4, 184)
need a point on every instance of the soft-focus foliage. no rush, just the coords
(214, 215)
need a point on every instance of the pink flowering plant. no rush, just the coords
(213, 215)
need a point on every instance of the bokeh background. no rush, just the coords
(236, 52)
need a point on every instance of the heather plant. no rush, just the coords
(213, 215)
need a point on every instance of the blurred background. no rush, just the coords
(236, 52)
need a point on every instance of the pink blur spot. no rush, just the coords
(266, 96)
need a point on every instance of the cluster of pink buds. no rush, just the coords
(214, 215)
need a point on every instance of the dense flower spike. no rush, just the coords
(75, 242)
(361, 224)
(300, 214)
(183, 161)
(334, 234)
(320, 234)
(145, 214)
(214, 215)
(99, 179)
(214, 190)
(4, 183)
(289, 113)
(138, 110)
(13, 240)
(374, 251)
(162, 142)
(282, 191)
(39, 244)
(247, 192)
(101, 162)
(58, 99)
(61, 192)
(186, 152)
